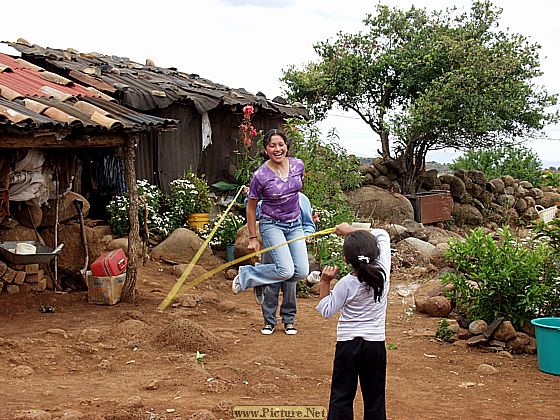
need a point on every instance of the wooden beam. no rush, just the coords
(58, 141)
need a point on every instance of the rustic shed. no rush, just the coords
(49, 128)
(209, 114)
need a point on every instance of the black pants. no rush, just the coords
(366, 360)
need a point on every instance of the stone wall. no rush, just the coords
(476, 199)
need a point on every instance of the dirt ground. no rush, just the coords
(132, 362)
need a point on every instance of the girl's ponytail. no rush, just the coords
(361, 251)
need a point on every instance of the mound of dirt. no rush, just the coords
(133, 329)
(186, 335)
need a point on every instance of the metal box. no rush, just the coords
(431, 206)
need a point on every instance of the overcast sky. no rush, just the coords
(247, 43)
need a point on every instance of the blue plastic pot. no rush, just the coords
(230, 255)
(547, 331)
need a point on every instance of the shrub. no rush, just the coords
(443, 332)
(166, 213)
(517, 161)
(200, 196)
(118, 211)
(503, 277)
(550, 234)
(551, 179)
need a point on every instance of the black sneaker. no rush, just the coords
(290, 329)
(267, 329)
(259, 294)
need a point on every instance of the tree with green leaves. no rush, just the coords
(427, 81)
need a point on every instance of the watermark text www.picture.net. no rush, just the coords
(287, 412)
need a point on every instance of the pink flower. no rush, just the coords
(248, 110)
(253, 131)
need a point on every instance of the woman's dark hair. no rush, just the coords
(275, 132)
(361, 250)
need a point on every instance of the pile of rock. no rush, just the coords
(497, 336)
(22, 278)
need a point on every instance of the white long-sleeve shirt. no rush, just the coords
(360, 315)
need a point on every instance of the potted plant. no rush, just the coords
(190, 200)
(227, 233)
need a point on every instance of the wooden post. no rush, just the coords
(129, 291)
(146, 236)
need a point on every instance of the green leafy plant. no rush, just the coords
(519, 162)
(327, 250)
(302, 289)
(229, 227)
(443, 332)
(226, 233)
(551, 179)
(550, 286)
(499, 277)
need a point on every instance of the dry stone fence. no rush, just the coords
(477, 200)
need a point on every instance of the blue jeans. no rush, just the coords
(289, 262)
(288, 309)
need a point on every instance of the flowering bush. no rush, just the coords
(118, 211)
(188, 195)
(165, 212)
(226, 233)
(246, 162)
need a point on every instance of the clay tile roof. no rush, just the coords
(32, 98)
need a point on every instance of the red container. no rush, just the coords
(110, 264)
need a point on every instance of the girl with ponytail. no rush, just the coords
(361, 299)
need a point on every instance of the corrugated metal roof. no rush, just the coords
(31, 98)
(146, 87)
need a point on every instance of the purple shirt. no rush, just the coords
(280, 198)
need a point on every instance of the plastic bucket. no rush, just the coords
(547, 331)
(230, 252)
(198, 220)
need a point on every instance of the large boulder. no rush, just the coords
(27, 214)
(242, 242)
(465, 214)
(181, 246)
(429, 299)
(18, 233)
(72, 256)
(457, 187)
(66, 209)
(374, 204)
(548, 199)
